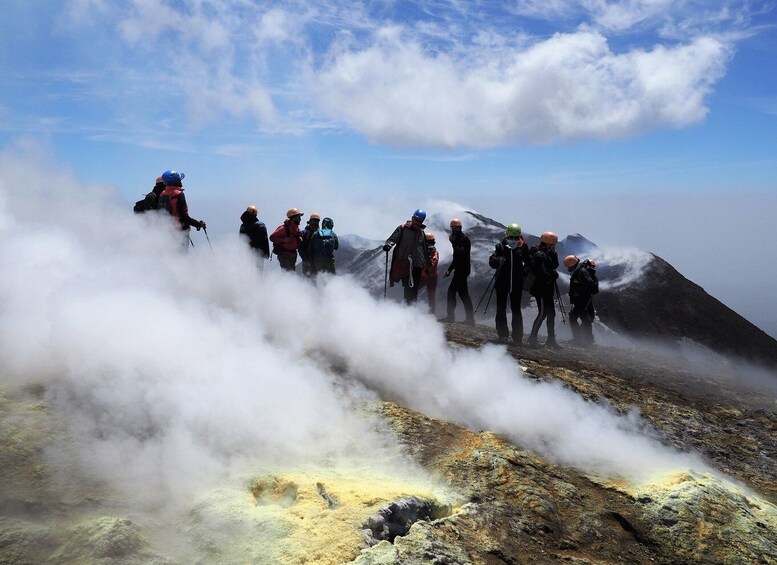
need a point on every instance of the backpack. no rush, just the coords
(149, 202)
(592, 271)
(324, 244)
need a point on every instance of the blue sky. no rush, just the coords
(647, 123)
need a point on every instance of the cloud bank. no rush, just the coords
(445, 75)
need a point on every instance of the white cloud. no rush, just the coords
(570, 86)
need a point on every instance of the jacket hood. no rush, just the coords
(247, 217)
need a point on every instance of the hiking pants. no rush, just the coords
(431, 292)
(459, 286)
(501, 313)
(411, 286)
(288, 262)
(581, 318)
(546, 310)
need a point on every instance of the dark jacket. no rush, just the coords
(516, 260)
(544, 262)
(583, 283)
(151, 201)
(409, 243)
(460, 264)
(256, 232)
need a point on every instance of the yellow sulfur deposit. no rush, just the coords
(299, 517)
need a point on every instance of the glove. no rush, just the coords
(447, 273)
(201, 226)
(387, 247)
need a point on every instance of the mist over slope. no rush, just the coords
(641, 295)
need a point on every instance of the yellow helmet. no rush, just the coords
(456, 223)
(315, 216)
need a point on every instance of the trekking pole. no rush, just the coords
(206, 237)
(560, 303)
(488, 287)
(385, 279)
(190, 240)
(489, 299)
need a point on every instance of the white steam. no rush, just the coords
(168, 365)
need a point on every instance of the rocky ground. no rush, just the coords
(510, 506)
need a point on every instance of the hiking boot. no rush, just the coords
(532, 343)
(553, 344)
(447, 320)
(502, 339)
(469, 321)
(517, 340)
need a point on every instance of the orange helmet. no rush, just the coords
(429, 236)
(291, 212)
(570, 261)
(456, 223)
(549, 238)
(315, 216)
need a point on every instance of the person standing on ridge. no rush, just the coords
(544, 262)
(583, 284)
(286, 239)
(510, 258)
(410, 254)
(305, 251)
(151, 200)
(173, 200)
(256, 232)
(323, 245)
(461, 267)
(429, 274)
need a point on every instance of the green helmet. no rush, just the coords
(513, 230)
(327, 223)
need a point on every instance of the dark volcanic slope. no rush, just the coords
(664, 304)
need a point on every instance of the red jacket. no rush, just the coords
(286, 238)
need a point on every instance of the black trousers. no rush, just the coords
(581, 319)
(501, 313)
(412, 284)
(288, 262)
(459, 286)
(546, 310)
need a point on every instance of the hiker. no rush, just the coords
(510, 258)
(544, 262)
(410, 254)
(256, 232)
(151, 200)
(304, 247)
(583, 284)
(323, 245)
(460, 267)
(173, 200)
(429, 274)
(286, 239)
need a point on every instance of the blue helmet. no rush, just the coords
(170, 177)
(420, 214)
